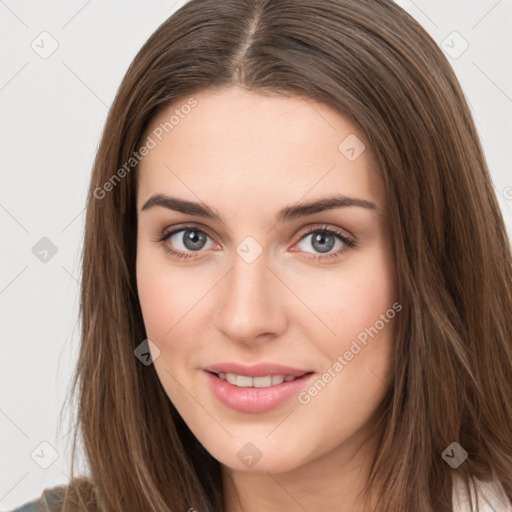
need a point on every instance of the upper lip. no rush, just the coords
(256, 370)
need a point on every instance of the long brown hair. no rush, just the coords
(375, 65)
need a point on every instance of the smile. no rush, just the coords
(254, 395)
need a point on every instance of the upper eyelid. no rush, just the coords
(176, 229)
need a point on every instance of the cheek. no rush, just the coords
(172, 299)
(161, 295)
(360, 307)
(356, 303)
(165, 301)
(350, 298)
(156, 300)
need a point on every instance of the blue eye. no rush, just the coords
(324, 240)
(193, 240)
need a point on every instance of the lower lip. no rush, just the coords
(255, 400)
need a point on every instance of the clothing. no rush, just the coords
(492, 499)
(49, 501)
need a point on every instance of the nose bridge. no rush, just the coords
(251, 303)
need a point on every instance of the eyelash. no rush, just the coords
(349, 243)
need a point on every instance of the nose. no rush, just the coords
(252, 302)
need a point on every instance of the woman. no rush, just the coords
(297, 282)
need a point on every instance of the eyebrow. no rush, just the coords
(287, 213)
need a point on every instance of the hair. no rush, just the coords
(375, 65)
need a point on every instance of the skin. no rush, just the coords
(247, 156)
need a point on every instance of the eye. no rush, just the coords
(323, 239)
(184, 241)
(187, 240)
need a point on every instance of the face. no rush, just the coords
(232, 269)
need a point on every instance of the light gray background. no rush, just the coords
(52, 114)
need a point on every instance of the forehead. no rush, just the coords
(239, 143)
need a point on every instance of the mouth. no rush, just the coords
(248, 394)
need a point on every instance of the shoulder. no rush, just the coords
(490, 496)
(79, 492)
(49, 501)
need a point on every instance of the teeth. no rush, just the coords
(244, 381)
